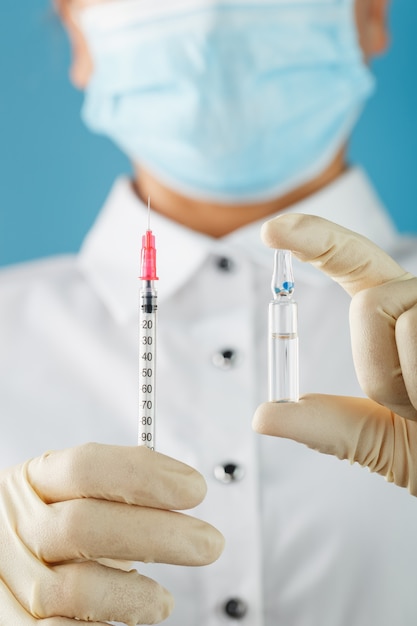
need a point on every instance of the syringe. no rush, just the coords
(147, 340)
(283, 333)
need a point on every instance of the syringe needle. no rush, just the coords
(147, 339)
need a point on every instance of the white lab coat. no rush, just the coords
(310, 540)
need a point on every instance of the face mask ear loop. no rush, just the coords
(353, 24)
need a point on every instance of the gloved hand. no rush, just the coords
(66, 518)
(380, 432)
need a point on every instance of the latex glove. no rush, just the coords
(62, 512)
(380, 432)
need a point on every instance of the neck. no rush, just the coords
(216, 219)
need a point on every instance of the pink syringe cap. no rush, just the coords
(148, 257)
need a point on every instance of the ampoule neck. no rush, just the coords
(282, 284)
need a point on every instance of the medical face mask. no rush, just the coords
(229, 101)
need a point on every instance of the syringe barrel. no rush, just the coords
(283, 364)
(147, 364)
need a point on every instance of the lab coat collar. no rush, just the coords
(110, 254)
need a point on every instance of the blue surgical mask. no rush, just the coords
(227, 101)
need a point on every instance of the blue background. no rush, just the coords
(54, 175)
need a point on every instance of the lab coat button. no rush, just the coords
(229, 472)
(224, 264)
(225, 359)
(235, 608)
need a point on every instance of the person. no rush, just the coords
(231, 113)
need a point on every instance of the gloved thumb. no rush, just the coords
(356, 429)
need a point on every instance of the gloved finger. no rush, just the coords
(12, 613)
(92, 592)
(356, 429)
(95, 529)
(384, 338)
(134, 475)
(406, 337)
(352, 260)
